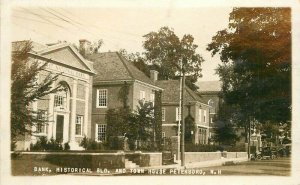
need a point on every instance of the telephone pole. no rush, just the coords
(182, 119)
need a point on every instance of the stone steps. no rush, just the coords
(130, 164)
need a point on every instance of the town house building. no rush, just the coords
(67, 112)
(113, 72)
(194, 106)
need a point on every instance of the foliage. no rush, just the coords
(89, 144)
(67, 146)
(52, 145)
(226, 135)
(123, 94)
(189, 128)
(164, 51)
(116, 142)
(25, 89)
(255, 51)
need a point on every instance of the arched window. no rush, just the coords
(211, 103)
(61, 98)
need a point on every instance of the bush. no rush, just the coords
(89, 144)
(66, 146)
(43, 144)
(116, 142)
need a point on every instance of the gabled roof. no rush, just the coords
(62, 53)
(209, 86)
(171, 92)
(112, 66)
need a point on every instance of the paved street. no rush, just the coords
(277, 167)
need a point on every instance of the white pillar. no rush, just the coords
(86, 110)
(51, 124)
(73, 112)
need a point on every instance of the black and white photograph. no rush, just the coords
(133, 90)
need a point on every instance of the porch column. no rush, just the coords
(86, 110)
(51, 118)
(73, 111)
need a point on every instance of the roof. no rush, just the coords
(112, 66)
(209, 86)
(62, 53)
(171, 92)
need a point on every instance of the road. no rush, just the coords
(276, 167)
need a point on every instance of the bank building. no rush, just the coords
(68, 111)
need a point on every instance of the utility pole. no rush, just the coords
(182, 119)
(179, 121)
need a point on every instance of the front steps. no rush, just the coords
(129, 164)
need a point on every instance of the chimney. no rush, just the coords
(153, 75)
(84, 47)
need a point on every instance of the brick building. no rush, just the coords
(194, 106)
(113, 71)
(68, 112)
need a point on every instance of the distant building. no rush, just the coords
(194, 106)
(210, 91)
(113, 71)
(68, 112)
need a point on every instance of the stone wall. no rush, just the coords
(145, 159)
(209, 156)
(75, 159)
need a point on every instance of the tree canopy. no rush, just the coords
(164, 52)
(26, 88)
(255, 51)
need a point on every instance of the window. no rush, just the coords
(102, 98)
(163, 114)
(200, 115)
(78, 125)
(60, 101)
(204, 116)
(41, 127)
(163, 136)
(100, 132)
(178, 114)
(142, 95)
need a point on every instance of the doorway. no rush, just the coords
(59, 128)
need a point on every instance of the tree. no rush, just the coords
(25, 89)
(166, 50)
(255, 51)
(163, 52)
(225, 135)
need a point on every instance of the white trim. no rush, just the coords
(148, 85)
(169, 124)
(97, 98)
(178, 115)
(163, 114)
(200, 115)
(203, 126)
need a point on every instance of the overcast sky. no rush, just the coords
(121, 27)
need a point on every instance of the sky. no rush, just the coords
(120, 27)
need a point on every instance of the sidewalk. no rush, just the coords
(219, 162)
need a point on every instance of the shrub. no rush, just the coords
(44, 144)
(89, 144)
(66, 146)
(116, 142)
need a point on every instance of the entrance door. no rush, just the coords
(59, 127)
